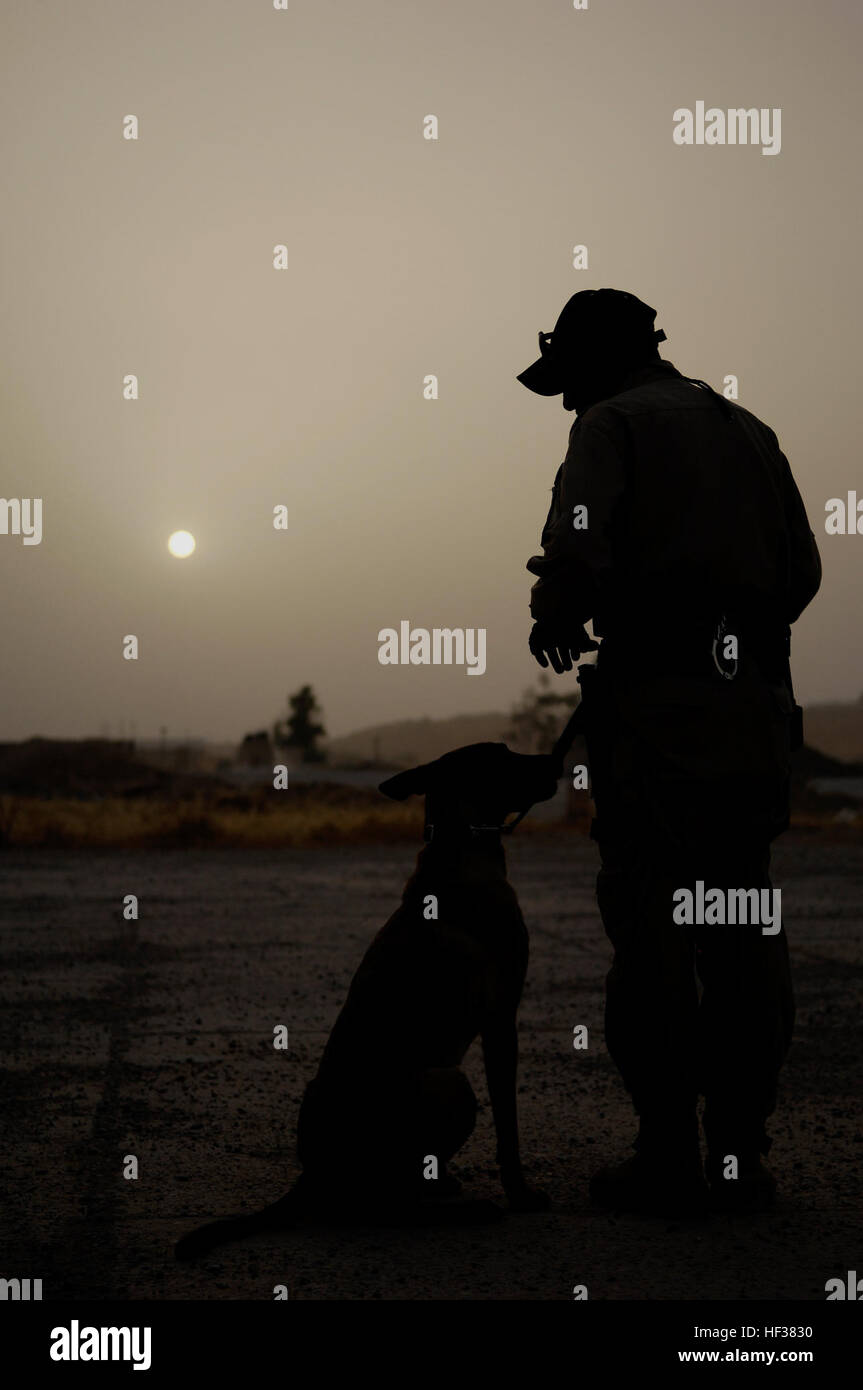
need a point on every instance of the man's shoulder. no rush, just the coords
(753, 422)
(657, 388)
(662, 391)
(649, 390)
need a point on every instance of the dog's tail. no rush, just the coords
(288, 1211)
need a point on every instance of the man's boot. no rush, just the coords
(739, 1179)
(665, 1178)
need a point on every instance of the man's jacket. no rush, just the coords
(691, 512)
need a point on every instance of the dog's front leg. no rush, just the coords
(500, 1051)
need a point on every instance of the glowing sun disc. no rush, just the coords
(181, 544)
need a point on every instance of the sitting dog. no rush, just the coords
(390, 1105)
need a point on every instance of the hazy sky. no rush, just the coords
(407, 256)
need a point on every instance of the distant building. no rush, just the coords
(256, 750)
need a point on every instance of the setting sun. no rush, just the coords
(181, 544)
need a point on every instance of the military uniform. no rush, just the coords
(695, 532)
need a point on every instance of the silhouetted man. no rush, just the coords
(676, 527)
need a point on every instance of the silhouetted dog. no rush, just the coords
(390, 1105)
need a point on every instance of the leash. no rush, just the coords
(573, 727)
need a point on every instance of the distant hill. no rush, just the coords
(836, 730)
(410, 741)
(809, 763)
(91, 767)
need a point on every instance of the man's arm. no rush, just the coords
(804, 561)
(577, 558)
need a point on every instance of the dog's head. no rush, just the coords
(478, 785)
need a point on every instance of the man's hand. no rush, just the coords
(558, 646)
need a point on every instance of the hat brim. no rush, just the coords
(542, 377)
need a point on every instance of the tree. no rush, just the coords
(539, 716)
(299, 729)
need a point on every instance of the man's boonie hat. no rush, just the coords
(593, 323)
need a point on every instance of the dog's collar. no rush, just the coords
(477, 832)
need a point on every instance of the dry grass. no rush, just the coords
(244, 821)
(314, 816)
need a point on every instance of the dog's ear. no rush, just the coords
(414, 782)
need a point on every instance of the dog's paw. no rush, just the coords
(524, 1198)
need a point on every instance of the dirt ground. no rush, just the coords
(154, 1039)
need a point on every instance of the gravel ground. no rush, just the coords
(154, 1038)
